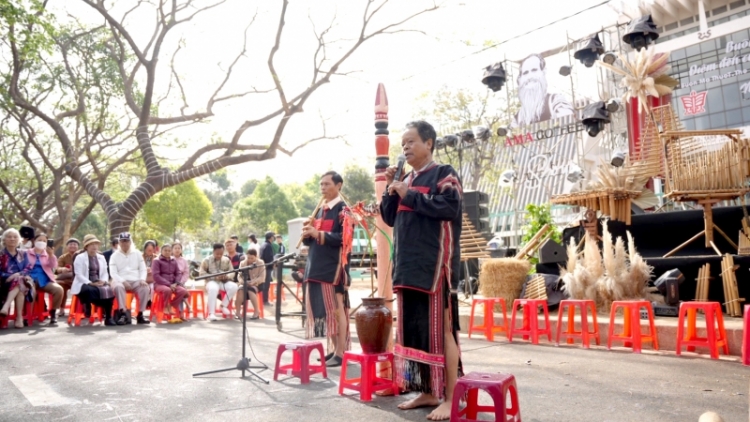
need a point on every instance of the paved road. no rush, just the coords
(140, 373)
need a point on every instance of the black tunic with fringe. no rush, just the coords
(324, 274)
(427, 230)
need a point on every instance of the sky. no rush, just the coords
(443, 49)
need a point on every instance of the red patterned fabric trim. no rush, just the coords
(450, 182)
(418, 355)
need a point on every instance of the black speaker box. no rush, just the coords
(551, 252)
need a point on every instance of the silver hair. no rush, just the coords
(9, 231)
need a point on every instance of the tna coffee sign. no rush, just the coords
(543, 134)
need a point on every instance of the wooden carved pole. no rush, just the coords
(384, 233)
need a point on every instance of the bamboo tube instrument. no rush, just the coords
(312, 217)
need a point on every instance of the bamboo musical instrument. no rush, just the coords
(314, 213)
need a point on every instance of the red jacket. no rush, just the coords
(165, 271)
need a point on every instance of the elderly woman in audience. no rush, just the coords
(167, 277)
(41, 265)
(91, 282)
(64, 273)
(12, 277)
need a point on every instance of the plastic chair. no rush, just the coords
(631, 335)
(498, 386)
(369, 382)
(488, 326)
(584, 306)
(300, 366)
(716, 335)
(530, 327)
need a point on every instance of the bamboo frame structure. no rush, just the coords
(536, 288)
(473, 245)
(731, 294)
(534, 243)
(706, 173)
(704, 278)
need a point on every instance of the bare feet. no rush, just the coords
(422, 400)
(442, 412)
(18, 324)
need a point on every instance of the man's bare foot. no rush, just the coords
(422, 400)
(442, 412)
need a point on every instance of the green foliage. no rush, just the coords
(248, 188)
(183, 207)
(359, 185)
(304, 196)
(536, 217)
(268, 208)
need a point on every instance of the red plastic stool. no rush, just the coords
(746, 337)
(631, 334)
(584, 306)
(272, 292)
(76, 313)
(499, 387)
(38, 312)
(27, 310)
(300, 366)
(530, 327)
(249, 305)
(714, 318)
(488, 326)
(197, 296)
(369, 381)
(158, 308)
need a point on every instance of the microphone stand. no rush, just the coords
(243, 364)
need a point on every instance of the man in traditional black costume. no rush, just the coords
(425, 211)
(327, 272)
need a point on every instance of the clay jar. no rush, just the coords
(373, 322)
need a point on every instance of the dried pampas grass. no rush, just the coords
(606, 276)
(504, 278)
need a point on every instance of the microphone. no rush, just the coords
(285, 257)
(399, 168)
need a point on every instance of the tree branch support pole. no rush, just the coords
(382, 235)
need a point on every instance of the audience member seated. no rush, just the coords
(91, 280)
(214, 264)
(182, 263)
(149, 254)
(230, 246)
(64, 273)
(167, 277)
(41, 265)
(253, 278)
(14, 286)
(128, 271)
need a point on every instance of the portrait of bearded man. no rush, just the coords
(537, 105)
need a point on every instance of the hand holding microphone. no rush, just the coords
(393, 177)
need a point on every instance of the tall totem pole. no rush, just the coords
(384, 235)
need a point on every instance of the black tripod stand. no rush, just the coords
(244, 363)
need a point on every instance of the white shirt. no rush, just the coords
(81, 268)
(127, 267)
(253, 246)
(332, 203)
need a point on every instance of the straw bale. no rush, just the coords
(504, 278)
